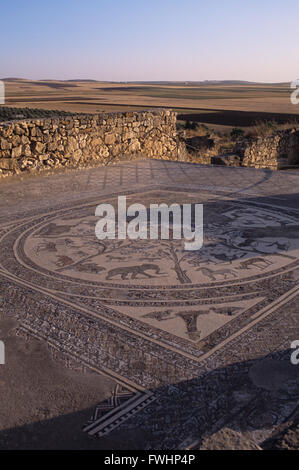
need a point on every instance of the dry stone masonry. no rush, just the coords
(83, 140)
(274, 152)
(90, 139)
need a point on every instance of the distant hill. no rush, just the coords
(150, 82)
(203, 82)
(12, 79)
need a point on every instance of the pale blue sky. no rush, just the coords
(126, 40)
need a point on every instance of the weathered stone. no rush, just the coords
(6, 164)
(59, 142)
(16, 152)
(27, 151)
(103, 151)
(274, 151)
(95, 142)
(39, 147)
(157, 148)
(77, 154)
(51, 146)
(35, 132)
(109, 139)
(15, 140)
(116, 150)
(134, 146)
(72, 144)
(24, 140)
(128, 135)
(5, 144)
(43, 157)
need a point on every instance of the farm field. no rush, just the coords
(221, 105)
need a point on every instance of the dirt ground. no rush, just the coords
(44, 404)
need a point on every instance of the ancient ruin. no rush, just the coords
(82, 141)
(184, 334)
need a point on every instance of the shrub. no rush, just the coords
(9, 114)
(265, 128)
(236, 133)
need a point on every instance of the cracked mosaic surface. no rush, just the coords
(150, 313)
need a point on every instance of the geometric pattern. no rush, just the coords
(188, 303)
(182, 337)
(122, 405)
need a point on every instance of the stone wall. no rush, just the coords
(273, 152)
(84, 140)
(33, 145)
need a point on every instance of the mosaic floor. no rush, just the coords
(221, 314)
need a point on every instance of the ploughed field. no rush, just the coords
(225, 104)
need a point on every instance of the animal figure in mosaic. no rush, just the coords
(160, 316)
(91, 268)
(260, 263)
(63, 261)
(213, 275)
(47, 246)
(227, 311)
(134, 271)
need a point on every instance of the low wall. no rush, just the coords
(273, 152)
(81, 140)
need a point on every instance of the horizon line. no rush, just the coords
(233, 81)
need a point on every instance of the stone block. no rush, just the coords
(39, 147)
(6, 164)
(16, 152)
(110, 139)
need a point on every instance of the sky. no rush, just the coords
(150, 40)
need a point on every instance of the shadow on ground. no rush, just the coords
(231, 407)
(247, 404)
(228, 117)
